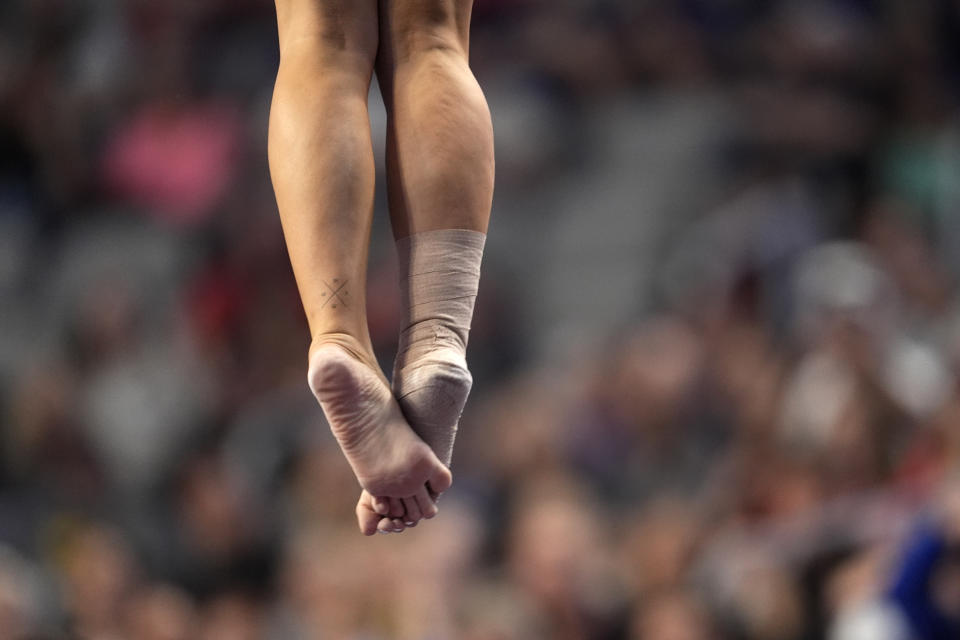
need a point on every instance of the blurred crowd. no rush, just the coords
(756, 438)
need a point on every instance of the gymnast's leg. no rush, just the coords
(440, 171)
(321, 163)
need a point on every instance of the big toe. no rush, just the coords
(440, 480)
(367, 518)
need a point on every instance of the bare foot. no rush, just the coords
(387, 457)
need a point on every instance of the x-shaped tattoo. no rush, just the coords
(335, 293)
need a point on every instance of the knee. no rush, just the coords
(333, 32)
(425, 26)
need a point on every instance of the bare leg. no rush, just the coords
(321, 162)
(440, 166)
(440, 172)
(321, 157)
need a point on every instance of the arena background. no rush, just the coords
(716, 348)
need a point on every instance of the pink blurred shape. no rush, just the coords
(175, 160)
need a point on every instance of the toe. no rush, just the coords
(440, 480)
(412, 509)
(385, 525)
(396, 508)
(381, 505)
(398, 525)
(367, 518)
(428, 508)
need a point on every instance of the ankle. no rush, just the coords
(359, 348)
(444, 355)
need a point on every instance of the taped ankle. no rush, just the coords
(439, 277)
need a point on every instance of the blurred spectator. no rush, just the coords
(716, 359)
(927, 584)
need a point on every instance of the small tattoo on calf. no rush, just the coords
(337, 294)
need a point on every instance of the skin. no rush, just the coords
(321, 158)
(440, 165)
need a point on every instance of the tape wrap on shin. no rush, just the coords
(439, 276)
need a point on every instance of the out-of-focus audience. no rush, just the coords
(743, 423)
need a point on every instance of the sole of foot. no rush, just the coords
(387, 457)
